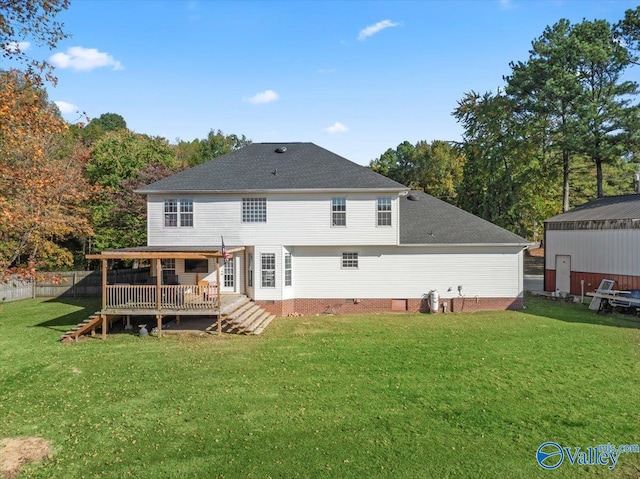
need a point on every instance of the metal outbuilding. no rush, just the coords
(597, 240)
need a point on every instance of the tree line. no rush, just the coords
(562, 130)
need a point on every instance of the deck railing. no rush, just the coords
(143, 296)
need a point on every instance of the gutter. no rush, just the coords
(142, 191)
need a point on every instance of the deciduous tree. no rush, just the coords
(42, 190)
(122, 161)
(22, 20)
(215, 144)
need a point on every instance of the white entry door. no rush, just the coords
(563, 273)
(229, 276)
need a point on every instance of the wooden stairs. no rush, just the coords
(243, 317)
(88, 326)
(246, 317)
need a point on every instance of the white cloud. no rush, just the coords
(337, 127)
(15, 47)
(263, 97)
(373, 29)
(66, 107)
(84, 59)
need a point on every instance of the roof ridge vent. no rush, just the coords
(281, 149)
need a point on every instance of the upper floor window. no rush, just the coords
(186, 213)
(384, 211)
(338, 212)
(178, 213)
(254, 210)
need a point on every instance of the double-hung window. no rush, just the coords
(178, 213)
(168, 271)
(287, 269)
(268, 270)
(384, 212)
(338, 212)
(250, 270)
(254, 210)
(186, 213)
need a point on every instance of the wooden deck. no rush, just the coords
(238, 315)
(168, 299)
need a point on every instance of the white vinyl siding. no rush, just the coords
(293, 219)
(410, 272)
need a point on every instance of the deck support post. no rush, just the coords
(159, 324)
(219, 302)
(104, 326)
(158, 283)
(104, 284)
(178, 319)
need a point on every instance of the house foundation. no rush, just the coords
(316, 306)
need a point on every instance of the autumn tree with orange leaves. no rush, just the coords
(42, 188)
(42, 181)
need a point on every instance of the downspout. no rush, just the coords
(544, 266)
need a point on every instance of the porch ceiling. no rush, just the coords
(165, 252)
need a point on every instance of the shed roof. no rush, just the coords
(428, 220)
(275, 166)
(623, 207)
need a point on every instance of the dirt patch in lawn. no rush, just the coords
(16, 451)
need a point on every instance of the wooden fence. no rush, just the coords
(70, 284)
(15, 290)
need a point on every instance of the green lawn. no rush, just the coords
(401, 396)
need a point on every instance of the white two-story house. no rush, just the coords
(312, 232)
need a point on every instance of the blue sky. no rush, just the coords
(353, 77)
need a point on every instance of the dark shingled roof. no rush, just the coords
(624, 207)
(305, 166)
(428, 220)
(260, 167)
